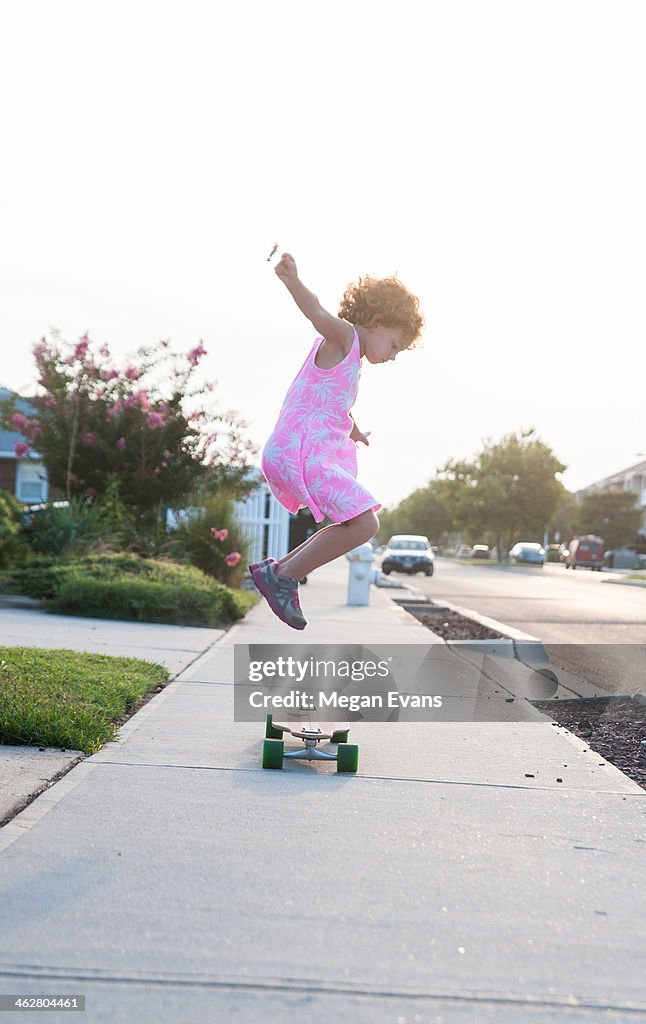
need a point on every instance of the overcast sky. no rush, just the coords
(492, 154)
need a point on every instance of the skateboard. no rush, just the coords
(311, 733)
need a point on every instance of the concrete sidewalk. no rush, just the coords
(170, 879)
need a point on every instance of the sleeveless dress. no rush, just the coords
(309, 461)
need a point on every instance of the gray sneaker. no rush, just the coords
(281, 595)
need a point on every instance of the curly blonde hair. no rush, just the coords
(372, 301)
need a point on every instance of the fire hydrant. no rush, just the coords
(361, 574)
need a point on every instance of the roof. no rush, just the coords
(615, 478)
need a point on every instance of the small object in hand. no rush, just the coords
(273, 252)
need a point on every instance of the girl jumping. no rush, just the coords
(310, 460)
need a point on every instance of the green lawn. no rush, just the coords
(59, 698)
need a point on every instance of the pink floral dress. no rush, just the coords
(309, 461)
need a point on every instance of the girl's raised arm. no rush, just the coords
(337, 333)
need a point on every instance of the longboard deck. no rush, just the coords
(324, 730)
(308, 728)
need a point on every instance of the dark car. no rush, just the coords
(409, 553)
(585, 551)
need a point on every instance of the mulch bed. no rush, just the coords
(452, 626)
(612, 728)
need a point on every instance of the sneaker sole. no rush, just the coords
(257, 578)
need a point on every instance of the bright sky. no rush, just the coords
(491, 154)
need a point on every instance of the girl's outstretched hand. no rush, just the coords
(286, 268)
(357, 436)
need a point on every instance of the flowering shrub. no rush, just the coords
(219, 551)
(146, 426)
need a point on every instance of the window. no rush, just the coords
(31, 482)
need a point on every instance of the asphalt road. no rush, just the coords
(590, 625)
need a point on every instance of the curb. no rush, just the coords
(526, 648)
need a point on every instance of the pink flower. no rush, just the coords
(80, 349)
(104, 351)
(233, 558)
(20, 448)
(121, 444)
(219, 534)
(139, 399)
(115, 409)
(18, 421)
(109, 374)
(155, 421)
(132, 373)
(196, 354)
(40, 351)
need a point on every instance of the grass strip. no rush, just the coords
(67, 699)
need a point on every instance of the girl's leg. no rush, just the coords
(290, 554)
(328, 544)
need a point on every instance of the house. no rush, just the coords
(25, 477)
(631, 479)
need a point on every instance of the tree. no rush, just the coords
(145, 426)
(424, 511)
(508, 492)
(516, 492)
(563, 521)
(612, 515)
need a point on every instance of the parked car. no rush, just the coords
(464, 551)
(586, 551)
(624, 558)
(528, 552)
(553, 552)
(409, 553)
(480, 551)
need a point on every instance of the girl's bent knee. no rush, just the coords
(367, 523)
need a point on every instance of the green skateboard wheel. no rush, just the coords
(270, 732)
(347, 758)
(272, 753)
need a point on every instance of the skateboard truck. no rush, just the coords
(274, 753)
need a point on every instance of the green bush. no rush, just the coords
(74, 528)
(127, 587)
(12, 543)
